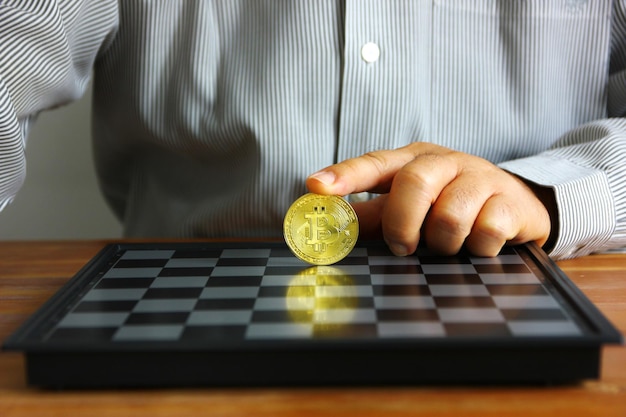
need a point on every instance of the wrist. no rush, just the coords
(547, 197)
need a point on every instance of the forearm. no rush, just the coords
(12, 162)
(586, 169)
(47, 50)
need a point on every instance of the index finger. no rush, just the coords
(373, 171)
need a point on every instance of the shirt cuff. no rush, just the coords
(586, 213)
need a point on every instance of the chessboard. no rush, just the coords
(188, 314)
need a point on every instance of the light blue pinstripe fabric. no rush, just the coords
(209, 115)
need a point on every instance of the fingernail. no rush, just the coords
(397, 248)
(325, 177)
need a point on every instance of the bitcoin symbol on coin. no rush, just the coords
(319, 229)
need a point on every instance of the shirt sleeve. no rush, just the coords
(586, 167)
(47, 51)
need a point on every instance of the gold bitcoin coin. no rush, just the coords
(321, 229)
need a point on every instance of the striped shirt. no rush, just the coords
(209, 115)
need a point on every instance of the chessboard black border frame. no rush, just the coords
(458, 360)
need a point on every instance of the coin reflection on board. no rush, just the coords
(323, 296)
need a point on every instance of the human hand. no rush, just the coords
(444, 197)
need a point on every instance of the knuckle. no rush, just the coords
(494, 229)
(377, 160)
(421, 179)
(452, 225)
(446, 233)
(487, 241)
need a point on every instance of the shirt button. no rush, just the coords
(370, 52)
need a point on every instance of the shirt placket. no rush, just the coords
(386, 75)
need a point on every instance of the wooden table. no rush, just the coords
(30, 272)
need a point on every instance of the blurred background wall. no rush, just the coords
(61, 198)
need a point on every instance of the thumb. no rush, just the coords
(326, 182)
